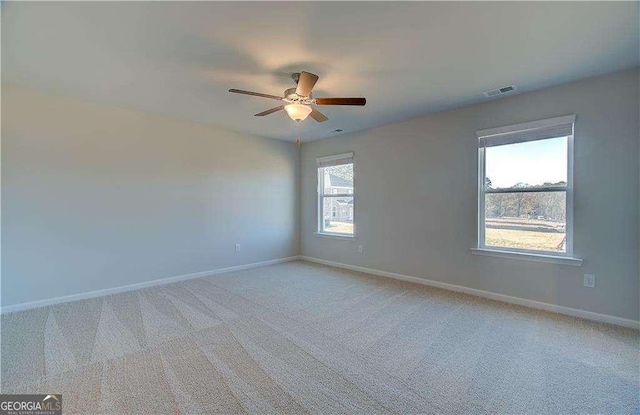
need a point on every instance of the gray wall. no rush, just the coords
(416, 203)
(97, 197)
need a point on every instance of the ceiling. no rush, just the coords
(407, 59)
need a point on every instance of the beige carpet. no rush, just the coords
(305, 338)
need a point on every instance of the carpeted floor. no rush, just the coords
(299, 337)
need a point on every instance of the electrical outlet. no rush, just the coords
(589, 280)
(359, 249)
(237, 247)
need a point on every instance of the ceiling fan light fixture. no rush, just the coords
(298, 112)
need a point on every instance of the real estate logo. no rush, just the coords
(31, 404)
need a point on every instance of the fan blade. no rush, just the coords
(305, 83)
(271, 111)
(341, 101)
(255, 94)
(318, 116)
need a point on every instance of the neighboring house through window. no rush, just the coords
(336, 195)
(526, 187)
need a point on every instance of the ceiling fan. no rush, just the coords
(299, 99)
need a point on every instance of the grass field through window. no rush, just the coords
(536, 234)
(524, 239)
(339, 227)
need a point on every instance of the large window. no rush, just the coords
(335, 195)
(525, 187)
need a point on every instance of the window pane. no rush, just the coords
(530, 164)
(337, 215)
(526, 220)
(338, 179)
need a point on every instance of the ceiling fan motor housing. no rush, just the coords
(291, 96)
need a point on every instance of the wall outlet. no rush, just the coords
(360, 249)
(237, 247)
(589, 280)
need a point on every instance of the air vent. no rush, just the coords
(336, 131)
(500, 91)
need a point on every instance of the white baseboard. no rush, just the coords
(116, 290)
(574, 312)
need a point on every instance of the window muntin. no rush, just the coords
(336, 195)
(525, 188)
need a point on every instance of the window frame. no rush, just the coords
(533, 254)
(321, 196)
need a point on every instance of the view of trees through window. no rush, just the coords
(532, 218)
(526, 220)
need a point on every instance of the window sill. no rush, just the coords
(334, 236)
(526, 256)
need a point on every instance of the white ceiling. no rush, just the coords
(407, 59)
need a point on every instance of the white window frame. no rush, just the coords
(514, 132)
(335, 160)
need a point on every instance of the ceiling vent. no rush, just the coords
(499, 91)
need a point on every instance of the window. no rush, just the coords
(336, 195)
(526, 187)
